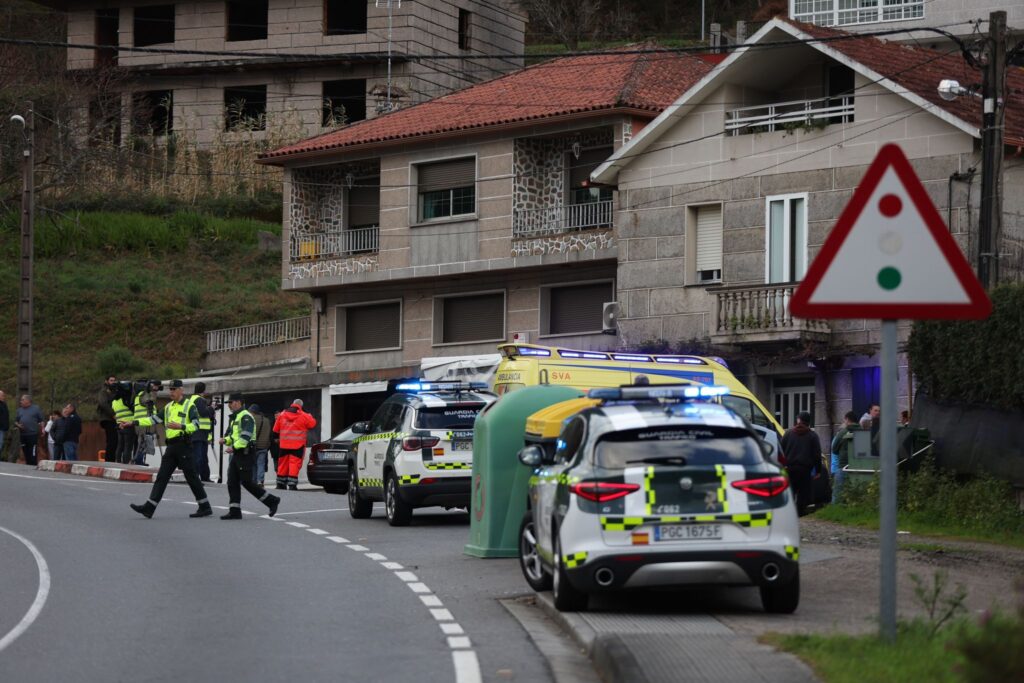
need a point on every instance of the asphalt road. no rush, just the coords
(92, 591)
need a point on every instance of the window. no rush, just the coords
(447, 189)
(108, 26)
(373, 326)
(746, 408)
(579, 176)
(708, 244)
(461, 416)
(344, 101)
(576, 308)
(247, 20)
(465, 18)
(387, 418)
(153, 112)
(846, 12)
(468, 318)
(364, 204)
(695, 446)
(245, 107)
(342, 17)
(153, 25)
(786, 237)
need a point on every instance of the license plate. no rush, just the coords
(687, 532)
(460, 445)
(327, 455)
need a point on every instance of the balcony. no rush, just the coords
(527, 223)
(852, 12)
(760, 315)
(335, 244)
(260, 334)
(788, 116)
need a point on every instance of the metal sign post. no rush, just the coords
(887, 497)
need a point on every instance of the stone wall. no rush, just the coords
(569, 243)
(539, 165)
(314, 270)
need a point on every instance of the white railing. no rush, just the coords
(566, 218)
(319, 245)
(760, 309)
(260, 334)
(850, 12)
(789, 115)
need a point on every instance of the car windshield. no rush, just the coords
(690, 446)
(346, 435)
(449, 417)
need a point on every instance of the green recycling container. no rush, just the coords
(500, 481)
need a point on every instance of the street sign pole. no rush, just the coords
(887, 497)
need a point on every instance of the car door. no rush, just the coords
(551, 481)
(373, 447)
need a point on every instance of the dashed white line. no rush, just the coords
(431, 600)
(406, 576)
(467, 667)
(298, 525)
(41, 593)
(309, 512)
(451, 629)
(318, 532)
(337, 539)
(418, 587)
(442, 614)
(272, 519)
(391, 565)
(357, 548)
(376, 557)
(459, 642)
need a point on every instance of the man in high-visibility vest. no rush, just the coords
(146, 418)
(176, 455)
(198, 411)
(240, 443)
(292, 426)
(125, 425)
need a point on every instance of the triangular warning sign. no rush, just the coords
(890, 256)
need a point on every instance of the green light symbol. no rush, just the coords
(889, 278)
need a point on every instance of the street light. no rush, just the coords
(950, 89)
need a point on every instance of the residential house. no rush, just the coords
(454, 225)
(727, 196)
(307, 64)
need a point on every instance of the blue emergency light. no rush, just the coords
(414, 387)
(670, 392)
(527, 351)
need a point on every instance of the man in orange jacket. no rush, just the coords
(291, 427)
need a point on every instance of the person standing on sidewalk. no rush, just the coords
(199, 413)
(239, 442)
(5, 421)
(144, 413)
(841, 454)
(55, 435)
(176, 455)
(29, 420)
(105, 412)
(292, 426)
(803, 452)
(72, 431)
(122, 405)
(262, 442)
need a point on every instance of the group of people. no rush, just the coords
(62, 429)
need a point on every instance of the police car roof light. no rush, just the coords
(440, 386)
(672, 392)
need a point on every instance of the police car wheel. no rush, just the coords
(358, 507)
(398, 512)
(782, 598)
(567, 597)
(529, 560)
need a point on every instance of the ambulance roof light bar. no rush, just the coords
(675, 392)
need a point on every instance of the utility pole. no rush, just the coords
(25, 304)
(993, 94)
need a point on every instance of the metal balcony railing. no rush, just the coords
(789, 115)
(746, 310)
(320, 245)
(260, 334)
(565, 218)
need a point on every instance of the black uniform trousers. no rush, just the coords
(240, 476)
(178, 455)
(125, 444)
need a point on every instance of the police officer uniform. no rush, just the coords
(240, 439)
(146, 418)
(199, 412)
(125, 426)
(176, 455)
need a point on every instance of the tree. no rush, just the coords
(570, 21)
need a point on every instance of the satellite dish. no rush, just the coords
(610, 317)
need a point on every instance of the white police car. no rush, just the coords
(659, 486)
(417, 450)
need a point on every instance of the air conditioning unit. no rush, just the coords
(520, 337)
(610, 317)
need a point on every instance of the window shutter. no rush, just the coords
(473, 318)
(578, 308)
(709, 238)
(447, 175)
(364, 204)
(580, 169)
(376, 326)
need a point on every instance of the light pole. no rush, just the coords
(25, 304)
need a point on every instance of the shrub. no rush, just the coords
(117, 360)
(995, 650)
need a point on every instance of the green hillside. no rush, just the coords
(133, 294)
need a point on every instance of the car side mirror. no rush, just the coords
(361, 428)
(531, 456)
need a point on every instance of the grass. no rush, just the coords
(915, 656)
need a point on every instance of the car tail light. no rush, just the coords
(415, 443)
(765, 487)
(602, 491)
(314, 452)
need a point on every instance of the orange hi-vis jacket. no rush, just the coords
(292, 426)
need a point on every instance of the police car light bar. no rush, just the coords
(654, 392)
(440, 386)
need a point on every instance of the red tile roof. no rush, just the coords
(560, 87)
(919, 71)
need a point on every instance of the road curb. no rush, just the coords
(84, 469)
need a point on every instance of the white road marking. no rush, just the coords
(419, 587)
(273, 519)
(358, 548)
(318, 532)
(451, 629)
(298, 525)
(309, 512)
(442, 614)
(376, 557)
(41, 593)
(72, 482)
(459, 642)
(337, 539)
(431, 601)
(406, 576)
(391, 565)
(467, 667)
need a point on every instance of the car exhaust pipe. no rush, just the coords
(770, 572)
(604, 577)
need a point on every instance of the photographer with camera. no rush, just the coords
(146, 419)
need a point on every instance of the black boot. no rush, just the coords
(204, 511)
(146, 509)
(233, 513)
(272, 502)
(280, 486)
(293, 487)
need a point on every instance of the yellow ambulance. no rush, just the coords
(525, 365)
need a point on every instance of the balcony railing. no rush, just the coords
(260, 334)
(836, 13)
(789, 115)
(338, 243)
(557, 219)
(761, 310)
